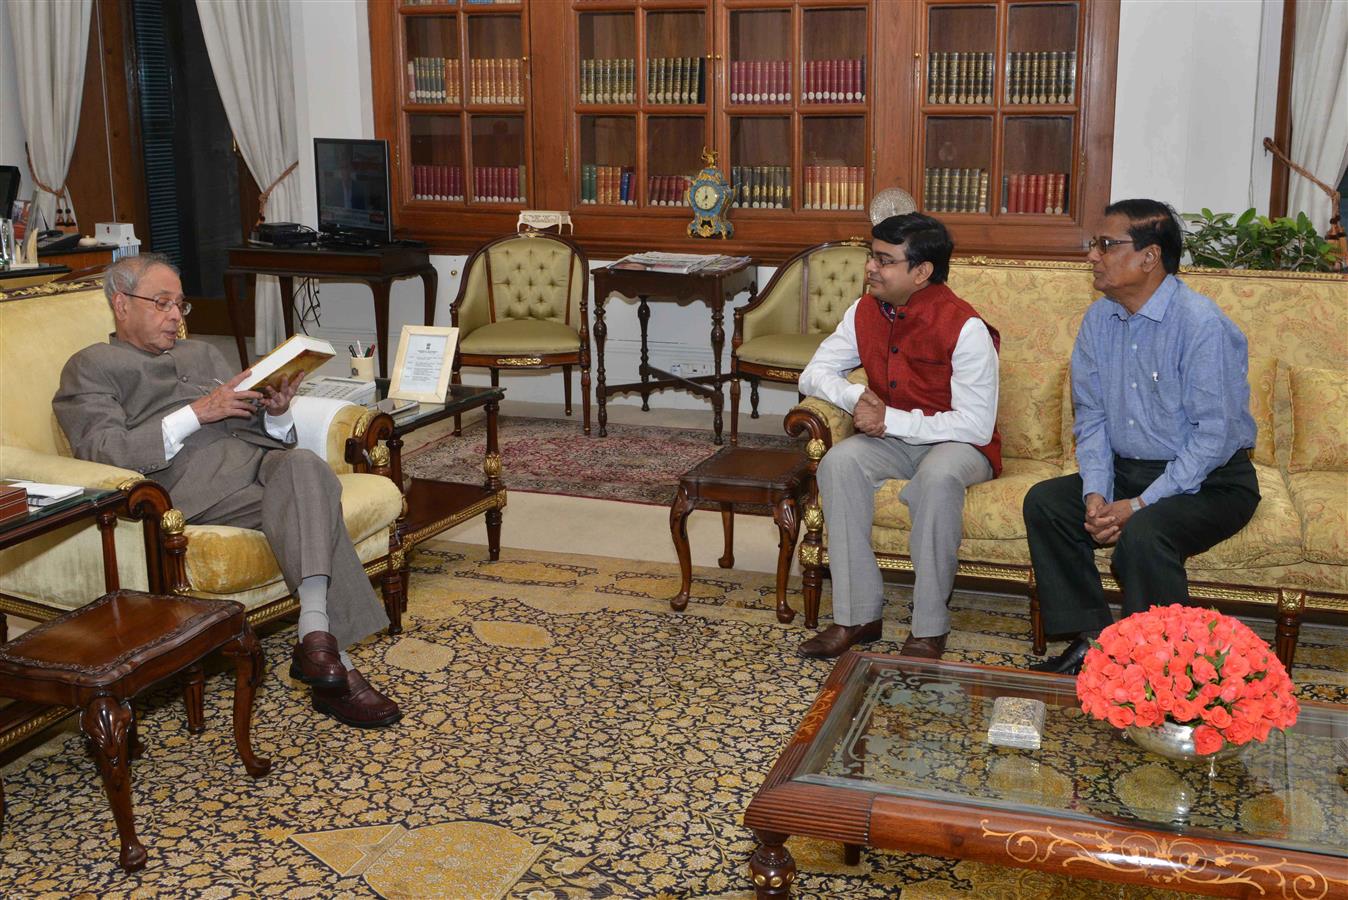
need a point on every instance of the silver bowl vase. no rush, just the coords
(1177, 742)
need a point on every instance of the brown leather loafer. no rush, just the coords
(359, 706)
(316, 661)
(833, 640)
(924, 648)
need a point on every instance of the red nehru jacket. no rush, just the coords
(908, 360)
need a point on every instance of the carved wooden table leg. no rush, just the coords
(248, 667)
(788, 528)
(734, 410)
(771, 867)
(194, 693)
(644, 368)
(727, 560)
(678, 529)
(600, 335)
(106, 724)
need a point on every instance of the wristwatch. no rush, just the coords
(1135, 504)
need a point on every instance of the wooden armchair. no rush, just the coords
(778, 332)
(524, 304)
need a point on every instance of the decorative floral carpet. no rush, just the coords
(565, 736)
(636, 463)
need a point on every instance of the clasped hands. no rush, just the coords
(869, 414)
(227, 403)
(1105, 521)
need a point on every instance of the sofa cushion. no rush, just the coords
(1321, 500)
(992, 509)
(789, 350)
(1029, 409)
(1263, 381)
(222, 559)
(1271, 538)
(521, 336)
(1319, 420)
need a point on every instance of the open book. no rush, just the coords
(300, 353)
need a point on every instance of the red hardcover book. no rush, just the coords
(757, 81)
(438, 178)
(807, 81)
(783, 81)
(851, 82)
(1015, 193)
(835, 79)
(1038, 204)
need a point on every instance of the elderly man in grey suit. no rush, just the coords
(171, 409)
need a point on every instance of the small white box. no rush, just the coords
(1017, 722)
(119, 233)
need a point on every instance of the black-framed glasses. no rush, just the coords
(1104, 244)
(164, 304)
(884, 259)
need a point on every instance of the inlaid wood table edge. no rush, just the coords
(431, 506)
(772, 477)
(1063, 845)
(715, 289)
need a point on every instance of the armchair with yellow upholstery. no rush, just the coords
(778, 332)
(524, 304)
(40, 329)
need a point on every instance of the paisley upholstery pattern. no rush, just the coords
(1030, 409)
(1321, 500)
(1319, 420)
(1263, 381)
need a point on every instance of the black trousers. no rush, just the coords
(1151, 550)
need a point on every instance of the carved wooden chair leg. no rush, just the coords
(135, 747)
(194, 692)
(753, 397)
(678, 530)
(1039, 643)
(734, 409)
(246, 652)
(566, 389)
(1290, 606)
(456, 377)
(4, 628)
(105, 723)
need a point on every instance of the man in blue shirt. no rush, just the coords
(1161, 394)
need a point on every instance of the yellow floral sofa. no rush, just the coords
(40, 328)
(1293, 556)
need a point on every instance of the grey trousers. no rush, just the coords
(849, 475)
(296, 501)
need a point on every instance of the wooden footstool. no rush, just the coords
(778, 478)
(98, 657)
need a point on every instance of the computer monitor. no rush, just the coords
(353, 189)
(9, 189)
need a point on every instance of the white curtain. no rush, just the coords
(249, 48)
(1319, 106)
(51, 39)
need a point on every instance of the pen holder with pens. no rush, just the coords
(362, 367)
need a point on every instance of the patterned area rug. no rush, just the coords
(565, 736)
(635, 463)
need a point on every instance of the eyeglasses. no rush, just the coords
(884, 259)
(164, 304)
(1104, 244)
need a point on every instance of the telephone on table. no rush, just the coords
(54, 241)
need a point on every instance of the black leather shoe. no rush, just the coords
(1069, 663)
(833, 640)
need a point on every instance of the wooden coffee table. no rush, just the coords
(777, 478)
(894, 754)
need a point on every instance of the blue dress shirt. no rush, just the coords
(1169, 382)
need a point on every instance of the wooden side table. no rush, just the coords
(778, 478)
(96, 658)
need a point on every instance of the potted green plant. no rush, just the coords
(1253, 241)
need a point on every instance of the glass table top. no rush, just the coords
(460, 398)
(39, 513)
(915, 729)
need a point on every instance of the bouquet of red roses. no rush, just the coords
(1193, 667)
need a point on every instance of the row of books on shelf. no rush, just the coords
(1041, 76)
(606, 185)
(608, 80)
(466, 2)
(1035, 193)
(955, 77)
(762, 187)
(835, 187)
(675, 79)
(833, 81)
(498, 184)
(955, 190)
(433, 79)
(431, 182)
(667, 190)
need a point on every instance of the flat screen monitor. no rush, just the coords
(353, 188)
(9, 189)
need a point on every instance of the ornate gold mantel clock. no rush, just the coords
(710, 195)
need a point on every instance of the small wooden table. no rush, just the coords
(378, 268)
(778, 478)
(714, 289)
(98, 657)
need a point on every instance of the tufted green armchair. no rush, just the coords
(524, 304)
(778, 332)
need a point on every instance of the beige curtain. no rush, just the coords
(1319, 106)
(51, 38)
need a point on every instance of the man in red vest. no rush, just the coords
(928, 414)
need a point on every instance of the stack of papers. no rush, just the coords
(338, 388)
(40, 494)
(678, 263)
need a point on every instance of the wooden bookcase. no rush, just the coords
(812, 105)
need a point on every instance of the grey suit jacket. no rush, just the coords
(114, 396)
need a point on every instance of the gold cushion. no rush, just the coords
(1271, 538)
(835, 277)
(521, 336)
(1263, 379)
(1029, 409)
(530, 278)
(991, 508)
(1321, 500)
(1319, 420)
(222, 559)
(789, 350)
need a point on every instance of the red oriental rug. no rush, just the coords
(634, 463)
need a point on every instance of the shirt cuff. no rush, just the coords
(901, 422)
(280, 426)
(851, 394)
(177, 427)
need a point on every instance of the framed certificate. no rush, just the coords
(425, 357)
